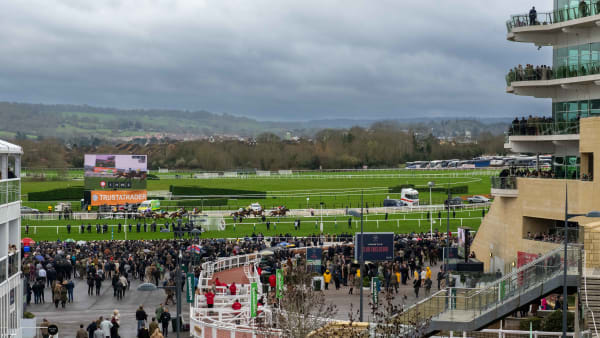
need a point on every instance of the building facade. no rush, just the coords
(11, 288)
(528, 214)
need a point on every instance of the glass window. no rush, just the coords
(594, 107)
(584, 59)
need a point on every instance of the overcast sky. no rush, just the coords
(278, 59)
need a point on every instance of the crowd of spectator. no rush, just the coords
(529, 73)
(545, 237)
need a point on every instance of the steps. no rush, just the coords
(593, 299)
(462, 309)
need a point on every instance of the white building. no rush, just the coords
(11, 291)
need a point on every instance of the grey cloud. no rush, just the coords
(267, 59)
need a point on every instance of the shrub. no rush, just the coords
(459, 189)
(202, 191)
(28, 315)
(553, 322)
(535, 321)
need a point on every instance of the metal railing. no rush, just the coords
(543, 128)
(509, 182)
(463, 304)
(552, 73)
(548, 18)
(10, 190)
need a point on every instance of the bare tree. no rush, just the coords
(303, 309)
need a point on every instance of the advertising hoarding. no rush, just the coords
(378, 246)
(115, 197)
(114, 172)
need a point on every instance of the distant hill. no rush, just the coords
(72, 121)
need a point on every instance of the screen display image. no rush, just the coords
(115, 172)
(378, 246)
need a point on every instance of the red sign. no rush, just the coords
(102, 184)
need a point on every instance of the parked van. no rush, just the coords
(149, 205)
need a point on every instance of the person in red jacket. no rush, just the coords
(217, 282)
(272, 282)
(210, 299)
(232, 289)
(236, 306)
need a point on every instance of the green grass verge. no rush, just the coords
(398, 223)
(333, 191)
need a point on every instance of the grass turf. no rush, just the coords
(334, 190)
(399, 223)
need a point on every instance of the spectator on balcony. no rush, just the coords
(532, 16)
(583, 9)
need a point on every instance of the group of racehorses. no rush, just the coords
(279, 211)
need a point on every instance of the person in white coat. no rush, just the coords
(106, 325)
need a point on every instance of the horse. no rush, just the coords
(280, 211)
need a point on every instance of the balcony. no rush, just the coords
(543, 135)
(504, 186)
(10, 190)
(531, 127)
(548, 82)
(545, 73)
(543, 30)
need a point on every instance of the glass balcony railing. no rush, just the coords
(527, 128)
(10, 191)
(509, 182)
(548, 18)
(13, 264)
(530, 73)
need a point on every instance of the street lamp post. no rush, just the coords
(321, 217)
(362, 260)
(447, 240)
(430, 184)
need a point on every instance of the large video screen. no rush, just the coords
(115, 172)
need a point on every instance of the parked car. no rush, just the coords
(393, 203)
(478, 199)
(455, 202)
(25, 210)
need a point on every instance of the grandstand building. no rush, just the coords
(11, 291)
(522, 236)
(527, 208)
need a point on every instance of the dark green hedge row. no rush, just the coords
(201, 191)
(63, 194)
(459, 189)
(211, 202)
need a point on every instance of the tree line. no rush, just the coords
(382, 145)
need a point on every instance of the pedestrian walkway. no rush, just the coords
(86, 308)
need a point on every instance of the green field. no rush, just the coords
(400, 223)
(334, 190)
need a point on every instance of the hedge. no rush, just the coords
(201, 191)
(64, 194)
(209, 202)
(459, 189)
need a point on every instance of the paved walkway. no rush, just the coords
(86, 308)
